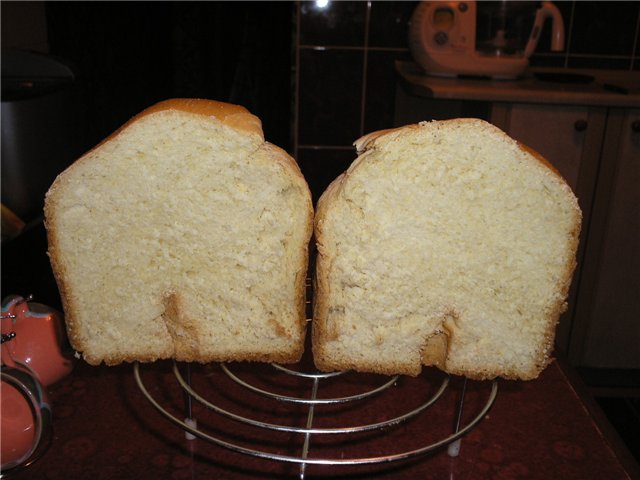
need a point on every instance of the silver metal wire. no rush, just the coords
(312, 402)
(309, 401)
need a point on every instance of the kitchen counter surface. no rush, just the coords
(104, 428)
(608, 88)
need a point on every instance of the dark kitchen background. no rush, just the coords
(318, 77)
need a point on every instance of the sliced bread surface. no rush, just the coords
(183, 235)
(445, 243)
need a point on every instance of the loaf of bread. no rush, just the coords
(445, 243)
(183, 235)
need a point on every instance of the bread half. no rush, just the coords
(183, 235)
(445, 243)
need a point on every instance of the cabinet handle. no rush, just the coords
(635, 126)
(580, 125)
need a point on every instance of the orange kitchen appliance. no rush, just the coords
(493, 38)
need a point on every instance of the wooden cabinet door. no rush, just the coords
(609, 303)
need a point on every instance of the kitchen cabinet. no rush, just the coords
(593, 138)
(607, 319)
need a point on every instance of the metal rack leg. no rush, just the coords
(307, 436)
(454, 447)
(189, 420)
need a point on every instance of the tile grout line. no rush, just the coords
(634, 50)
(567, 37)
(296, 79)
(365, 61)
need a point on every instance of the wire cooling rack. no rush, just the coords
(307, 425)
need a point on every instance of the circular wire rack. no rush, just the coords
(310, 404)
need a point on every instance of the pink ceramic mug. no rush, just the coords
(35, 338)
(26, 418)
(32, 358)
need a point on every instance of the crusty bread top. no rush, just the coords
(370, 140)
(235, 116)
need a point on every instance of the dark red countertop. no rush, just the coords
(105, 428)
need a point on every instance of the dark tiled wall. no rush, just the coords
(129, 55)
(345, 78)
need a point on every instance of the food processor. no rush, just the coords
(489, 39)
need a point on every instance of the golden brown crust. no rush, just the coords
(275, 357)
(59, 274)
(235, 116)
(325, 363)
